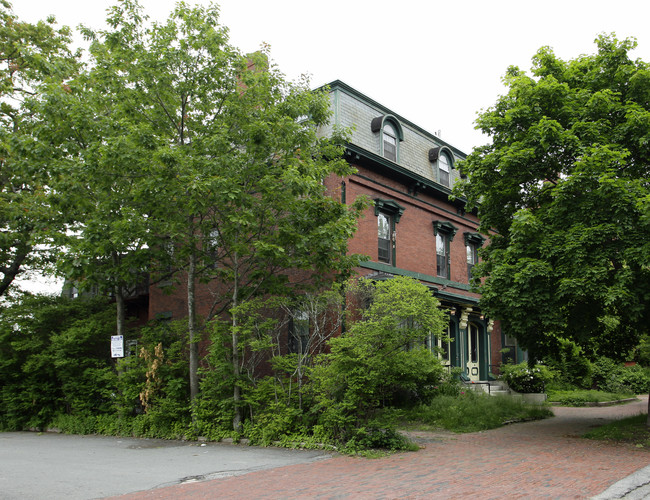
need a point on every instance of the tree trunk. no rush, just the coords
(119, 301)
(11, 271)
(236, 422)
(192, 329)
(121, 310)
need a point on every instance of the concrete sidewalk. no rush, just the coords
(543, 459)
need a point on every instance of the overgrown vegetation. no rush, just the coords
(571, 379)
(352, 392)
(471, 412)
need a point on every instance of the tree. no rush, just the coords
(383, 354)
(54, 359)
(563, 191)
(217, 152)
(32, 56)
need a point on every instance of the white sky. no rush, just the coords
(436, 63)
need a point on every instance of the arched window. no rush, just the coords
(443, 169)
(389, 137)
(442, 162)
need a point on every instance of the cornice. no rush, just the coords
(412, 180)
(387, 268)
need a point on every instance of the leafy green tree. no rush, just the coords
(564, 186)
(54, 359)
(32, 56)
(383, 354)
(188, 139)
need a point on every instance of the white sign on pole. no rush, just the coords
(117, 346)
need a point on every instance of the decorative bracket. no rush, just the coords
(464, 317)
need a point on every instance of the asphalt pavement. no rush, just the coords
(35, 466)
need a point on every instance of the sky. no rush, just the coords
(434, 63)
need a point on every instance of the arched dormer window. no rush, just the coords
(389, 140)
(442, 163)
(391, 135)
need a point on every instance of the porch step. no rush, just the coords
(493, 388)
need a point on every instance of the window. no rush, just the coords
(443, 169)
(390, 135)
(299, 333)
(442, 244)
(388, 214)
(385, 238)
(444, 232)
(472, 258)
(473, 241)
(390, 142)
(512, 352)
(473, 343)
(441, 160)
(212, 249)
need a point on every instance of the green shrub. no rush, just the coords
(380, 360)
(571, 365)
(54, 358)
(642, 352)
(377, 437)
(635, 379)
(522, 378)
(611, 376)
(276, 423)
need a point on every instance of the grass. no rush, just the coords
(470, 412)
(631, 430)
(583, 397)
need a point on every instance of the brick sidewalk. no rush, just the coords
(544, 459)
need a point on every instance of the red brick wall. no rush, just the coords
(415, 240)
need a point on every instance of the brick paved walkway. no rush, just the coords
(535, 460)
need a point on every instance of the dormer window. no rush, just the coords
(390, 142)
(443, 169)
(441, 162)
(390, 135)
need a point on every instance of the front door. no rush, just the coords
(473, 352)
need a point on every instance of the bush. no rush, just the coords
(377, 437)
(54, 358)
(571, 365)
(608, 375)
(522, 378)
(381, 360)
(642, 352)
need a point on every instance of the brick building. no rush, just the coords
(414, 228)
